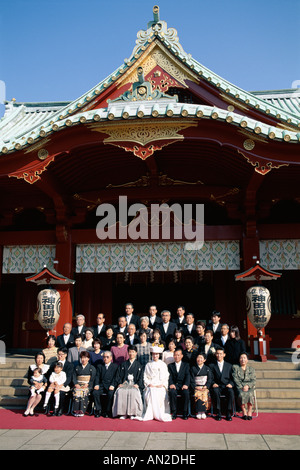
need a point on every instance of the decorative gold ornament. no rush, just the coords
(248, 144)
(43, 154)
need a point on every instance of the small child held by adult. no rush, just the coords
(57, 380)
(38, 384)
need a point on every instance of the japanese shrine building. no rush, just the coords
(162, 128)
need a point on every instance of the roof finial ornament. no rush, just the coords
(157, 28)
(156, 13)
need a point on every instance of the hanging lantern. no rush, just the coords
(258, 304)
(48, 303)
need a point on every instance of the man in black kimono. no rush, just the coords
(105, 383)
(130, 383)
(179, 382)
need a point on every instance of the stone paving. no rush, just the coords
(29, 439)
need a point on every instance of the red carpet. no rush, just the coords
(265, 423)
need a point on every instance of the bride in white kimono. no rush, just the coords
(156, 380)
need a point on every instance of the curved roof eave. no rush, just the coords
(154, 109)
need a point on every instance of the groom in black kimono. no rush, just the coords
(179, 382)
(130, 384)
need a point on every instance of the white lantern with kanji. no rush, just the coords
(48, 303)
(258, 304)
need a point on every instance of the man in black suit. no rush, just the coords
(154, 319)
(189, 329)
(215, 325)
(224, 338)
(66, 339)
(179, 382)
(222, 384)
(122, 326)
(131, 317)
(166, 328)
(105, 383)
(80, 327)
(99, 329)
(131, 337)
(68, 368)
(180, 320)
(200, 332)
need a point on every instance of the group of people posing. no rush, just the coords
(150, 367)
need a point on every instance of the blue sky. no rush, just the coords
(54, 50)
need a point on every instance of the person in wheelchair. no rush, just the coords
(245, 381)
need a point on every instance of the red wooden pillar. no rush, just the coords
(250, 255)
(64, 259)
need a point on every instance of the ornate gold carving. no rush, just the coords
(143, 181)
(148, 132)
(164, 180)
(31, 175)
(261, 166)
(157, 55)
(37, 146)
(219, 199)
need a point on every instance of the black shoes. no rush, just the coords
(228, 417)
(185, 417)
(174, 416)
(97, 414)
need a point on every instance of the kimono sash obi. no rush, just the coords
(83, 379)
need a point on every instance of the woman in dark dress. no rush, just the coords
(234, 346)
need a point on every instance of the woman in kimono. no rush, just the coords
(128, 398)
(156, 381)
(245, 380)
(83, 379)
(201, 381)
